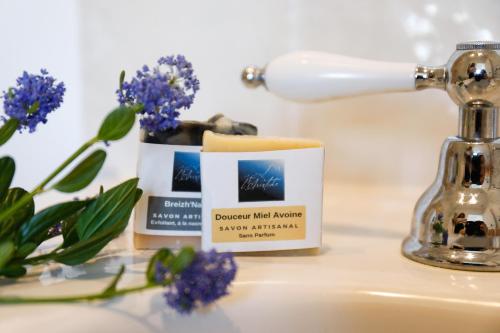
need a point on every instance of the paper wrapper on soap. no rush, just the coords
(262, 194)
(169, 212)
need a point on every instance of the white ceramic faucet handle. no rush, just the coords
(308, 76)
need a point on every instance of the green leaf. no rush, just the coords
(100, 222)
(69, 231)
(84, 250)
(25, 250)
(182, 260)
(165, 256)
(21, 215)
(112, 286)
(112, 207)
(117, 123)
(35, 230)
(33, 108)
(14, 271)
(7, 130)
(7, 170)
(7, 249)
(83, 174)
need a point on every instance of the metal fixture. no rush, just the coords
(456, 222)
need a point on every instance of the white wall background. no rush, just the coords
(383, 139)
(43, 34)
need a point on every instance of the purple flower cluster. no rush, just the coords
(163, 91)
(34, 97)
(204, 281)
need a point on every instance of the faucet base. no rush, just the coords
(456, 222)
(439, 256)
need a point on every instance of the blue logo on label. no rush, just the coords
(186, 175)
(261, 180)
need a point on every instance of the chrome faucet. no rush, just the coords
(456, 222)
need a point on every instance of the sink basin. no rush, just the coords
(359, 283)
(308, 311)
(313, 311)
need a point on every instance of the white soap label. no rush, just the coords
(169, 175)
(262, 201)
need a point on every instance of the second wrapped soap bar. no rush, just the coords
(169, 211)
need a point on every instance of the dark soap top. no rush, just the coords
(190, 133)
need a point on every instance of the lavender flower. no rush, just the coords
(161, 272)
(204, 281)
(32, 99)
(163, 91)
(55, 230)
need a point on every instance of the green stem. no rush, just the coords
(78, 298)
(70, 159)
(41, 187)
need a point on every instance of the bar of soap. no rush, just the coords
(188, 133)
(213, 142)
